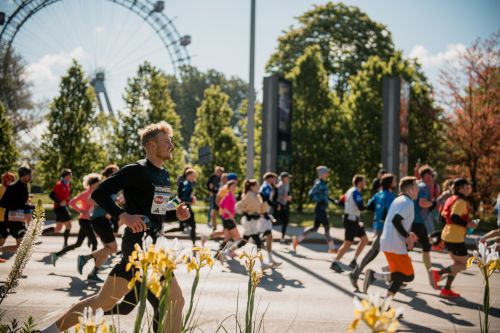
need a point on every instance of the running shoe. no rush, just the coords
(369, 278)
(81, 261)
(94, 278)
(2, 260)
(295, 243)
(276, 263)
(353, 264)
(435, 278)
(53, 259)
(336, 267)
(354, 281)
(437, 248)
(282, 241)
(449, 293)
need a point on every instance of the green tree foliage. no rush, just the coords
(187, 92)
(15, 91)
(68, 141)
(346, 36)
(147, 101)
(242, 129)
(8, 152)
(364, 106)
(316, 123)
(213, 129)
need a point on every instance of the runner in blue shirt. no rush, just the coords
(380, 203)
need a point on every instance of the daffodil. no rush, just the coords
(375, 314)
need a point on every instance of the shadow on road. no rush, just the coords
(276, 282)
(316, 275)
(421, 305)
(78, 287)
(462, 302)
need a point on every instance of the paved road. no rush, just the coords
(303, 295)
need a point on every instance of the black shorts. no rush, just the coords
(353, 230)
(458, 249)
(15, 229)
(228, 224)
(62, 214)
(423, 238)
(103, 229)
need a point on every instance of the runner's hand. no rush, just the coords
(182, 212)
(410, 240)
(63, 203)
(134, 222)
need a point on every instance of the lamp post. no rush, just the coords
(251, 98)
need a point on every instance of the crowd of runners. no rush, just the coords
(142, 197)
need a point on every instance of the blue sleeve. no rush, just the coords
(187, 189)
(358, 199)
(266, 192)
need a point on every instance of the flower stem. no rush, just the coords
(193, 292)
(142, 301)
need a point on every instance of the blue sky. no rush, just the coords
(101, 34)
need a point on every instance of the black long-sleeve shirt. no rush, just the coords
(146, 190)
(16, 197)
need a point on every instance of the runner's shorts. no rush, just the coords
(228, 224)
(264, 225)
(458, 249)
(103, 228)
(15, 229)
(353, 229)
(62, 214)
(400, 263)
(250, 226)
(423, 238)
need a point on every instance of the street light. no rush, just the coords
(251, 97)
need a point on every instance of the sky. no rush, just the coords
(103, 35)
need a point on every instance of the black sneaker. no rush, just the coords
(94, 278)
(336, 267)
(353, 264)
(369, 278)
(354, 281)
(81, 261)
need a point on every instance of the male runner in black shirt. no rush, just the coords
(146, 188)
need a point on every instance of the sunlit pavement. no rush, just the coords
(303, 295)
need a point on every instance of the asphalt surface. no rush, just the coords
(303, 295)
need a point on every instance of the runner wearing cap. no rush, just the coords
(143, 184)
(60, 195)
(16, 210)
(320, 194)
(282, 212)
(456, 213)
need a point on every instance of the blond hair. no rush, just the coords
(151, 131)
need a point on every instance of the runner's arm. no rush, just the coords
(455, 219)
(397, 222)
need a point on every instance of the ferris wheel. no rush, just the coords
(109, 37)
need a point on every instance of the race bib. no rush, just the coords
(16, 216)
(160, 199)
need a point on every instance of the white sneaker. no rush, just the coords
(276, 263)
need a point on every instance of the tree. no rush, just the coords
(213, 130)
(68, 141)
(148, 101)
(242, 129)
(8, 153)
(316, 123)
(472, 94)
(364, 106)
(188, 90)
(347, 37)
(15, 91)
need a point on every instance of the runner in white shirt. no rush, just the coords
(397, 239)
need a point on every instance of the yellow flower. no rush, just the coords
(374, 314)
(486, 258)
(256, 277)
